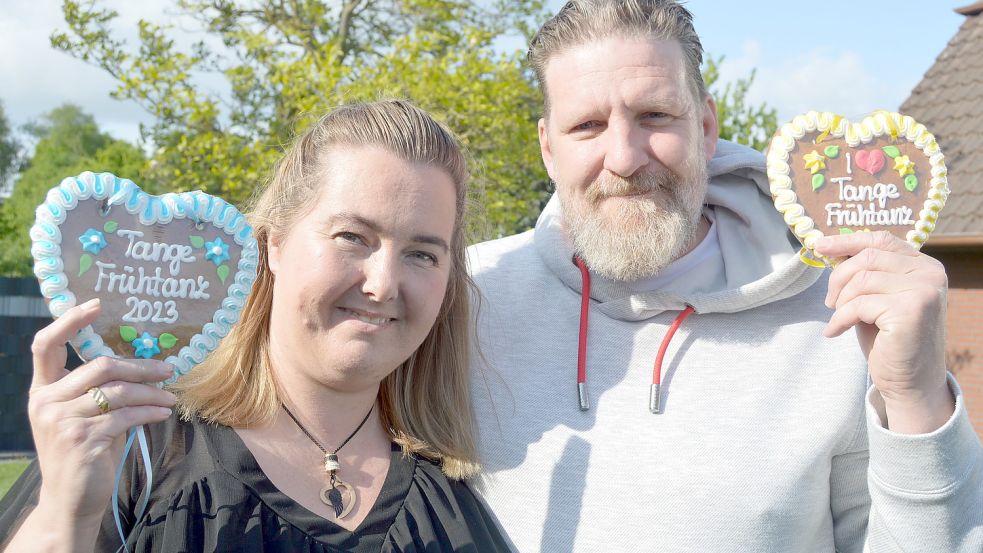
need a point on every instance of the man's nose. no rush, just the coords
(626, 150)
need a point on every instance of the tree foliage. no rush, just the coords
(739, 122)
(9, 149)
(285, 63)
(69, 142)
(281, 64)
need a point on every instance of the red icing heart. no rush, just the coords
(871, 161)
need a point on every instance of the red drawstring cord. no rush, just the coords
(655, 392)
(582, 341)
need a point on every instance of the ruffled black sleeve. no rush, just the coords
(444, 515)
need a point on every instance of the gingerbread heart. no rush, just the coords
(172, 272)
(901, 186)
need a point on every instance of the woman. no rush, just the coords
(335, 416)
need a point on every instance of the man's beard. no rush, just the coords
(646, 234)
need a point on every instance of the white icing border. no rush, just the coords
(871, 127)
(122, 193)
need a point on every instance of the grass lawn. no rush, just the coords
(9, 473)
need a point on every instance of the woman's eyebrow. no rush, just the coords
(349, 217)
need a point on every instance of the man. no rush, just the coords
(762, 432)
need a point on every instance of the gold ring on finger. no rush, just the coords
(101, 400)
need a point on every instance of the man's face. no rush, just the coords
(627, 143)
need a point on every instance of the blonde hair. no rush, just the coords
(424, 403)
(581, 21)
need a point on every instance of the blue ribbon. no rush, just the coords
(138, 433)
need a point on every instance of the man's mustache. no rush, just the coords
(641, 183)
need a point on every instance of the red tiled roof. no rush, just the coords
(949, 101)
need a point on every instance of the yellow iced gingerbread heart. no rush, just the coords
(832, 176)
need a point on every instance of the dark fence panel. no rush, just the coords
(22, 314)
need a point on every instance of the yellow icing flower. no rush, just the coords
(815, 161)
(904, 166)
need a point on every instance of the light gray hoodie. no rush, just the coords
(765, 442)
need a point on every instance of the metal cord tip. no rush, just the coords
(582, 396)
(655, 398)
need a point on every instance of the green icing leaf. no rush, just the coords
(911, 183)
(844, 230)
(832, 151)
(223, 272)
(197, 241)
(891, 151)
(818, 180)
(127, 333)
(167, 340)
(110, 226)
(85, 263)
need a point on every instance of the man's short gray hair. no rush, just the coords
(581, 21)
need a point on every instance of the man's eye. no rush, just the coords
(657, 115)
(350, 237)
(587, 125)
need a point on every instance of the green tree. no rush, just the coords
(9, 149)
(288, 62)
(69, 142)
(739, 122)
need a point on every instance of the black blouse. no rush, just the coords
(209, 494)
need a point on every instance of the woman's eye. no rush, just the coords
(426, 257)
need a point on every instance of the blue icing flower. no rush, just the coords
(93, 241)
(217, 251)
(146, 346)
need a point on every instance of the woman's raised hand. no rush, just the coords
(79, 421)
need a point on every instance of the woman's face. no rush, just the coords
(359, 279)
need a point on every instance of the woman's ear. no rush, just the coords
(273, 253)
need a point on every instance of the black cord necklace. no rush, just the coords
(330, 494)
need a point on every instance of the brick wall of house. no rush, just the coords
(964, 346)
(964, 326)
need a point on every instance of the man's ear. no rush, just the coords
(544, 148)
(711, 128)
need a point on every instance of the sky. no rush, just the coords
(848, 57)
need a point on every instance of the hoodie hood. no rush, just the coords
(760, 255)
